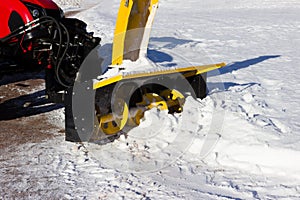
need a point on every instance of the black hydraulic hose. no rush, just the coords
(58, 64)
(42, 20)
(19, 31)
(30, 26)
(59, 58)
(35, 24)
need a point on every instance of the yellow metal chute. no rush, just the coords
(132, 30)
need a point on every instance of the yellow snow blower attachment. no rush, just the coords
(130, 84)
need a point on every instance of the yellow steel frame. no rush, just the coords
(188, 71)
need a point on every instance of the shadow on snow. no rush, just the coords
(246, 63)
(26, 105)
(170, 42)
(235, 67)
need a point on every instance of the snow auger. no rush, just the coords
(112, 92)
(34, 34)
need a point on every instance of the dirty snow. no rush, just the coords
(241, 142)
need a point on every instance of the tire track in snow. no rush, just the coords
(58, 169)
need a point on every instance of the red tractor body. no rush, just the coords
(46, 4)
(10, 12)
(15, 13)
(35, 34)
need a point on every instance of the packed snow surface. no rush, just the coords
(241, 142)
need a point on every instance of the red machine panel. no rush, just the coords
(9, 10)
(47, 4)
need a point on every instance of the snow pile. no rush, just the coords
(150, 147)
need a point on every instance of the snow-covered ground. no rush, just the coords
(249, 123)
